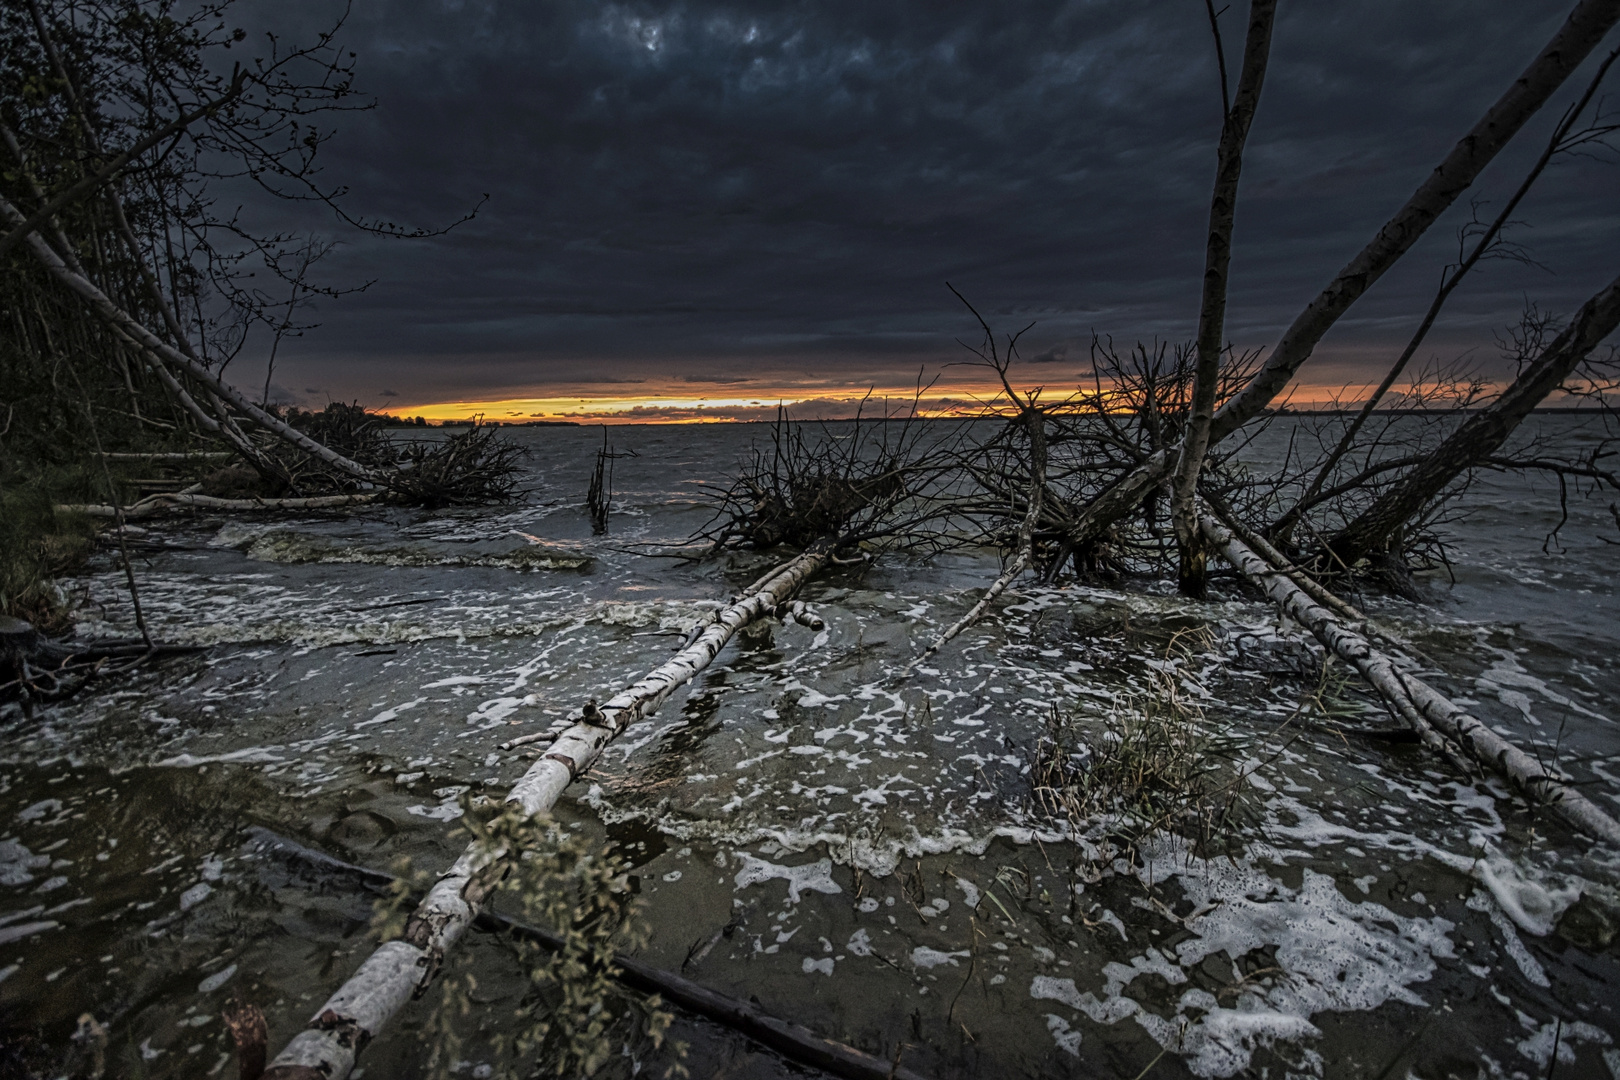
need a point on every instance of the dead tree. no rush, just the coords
(1479, 437)
(1438, 722)
(1487, 242)
(1587, 25)
(599, 496)
(861, 485)
(107, 201)
(1236, 118)
(1137, 407)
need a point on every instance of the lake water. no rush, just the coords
(869, 830)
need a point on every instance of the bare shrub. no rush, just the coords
(844, 482)
(473, 466)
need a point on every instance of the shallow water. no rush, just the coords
(1373, 915)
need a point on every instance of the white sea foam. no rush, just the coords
(16, 861)
(1334, 954)
(923, 958)
(815, 877)
(1566, 1035)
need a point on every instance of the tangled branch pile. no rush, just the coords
(850, 483)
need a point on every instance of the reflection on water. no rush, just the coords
(868, 833)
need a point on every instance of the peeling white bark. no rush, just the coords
(1439, 722)
(398, 970)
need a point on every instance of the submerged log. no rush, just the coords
(154, 504)
(1431, 713)
(793, 1041)
(401, 969)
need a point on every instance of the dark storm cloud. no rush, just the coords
(711, 191)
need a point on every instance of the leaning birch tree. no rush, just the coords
(1588, 24)
(1236, 117)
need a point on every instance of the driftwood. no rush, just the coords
(175, 500)
(1430, 713)
(793, 1041)
(399, 970)
(38, 667)
(1036, 423)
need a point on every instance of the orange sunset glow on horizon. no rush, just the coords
(601, 405)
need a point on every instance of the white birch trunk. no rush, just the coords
(398, 970)
(1429, 712)
(976, 612)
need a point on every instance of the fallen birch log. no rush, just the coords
(793, 1041)
(170, 500)
(1430, 712)
(402, 969)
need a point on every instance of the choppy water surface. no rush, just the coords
(1373, 915)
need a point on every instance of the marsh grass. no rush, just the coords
(1155, 763)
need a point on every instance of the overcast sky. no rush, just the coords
(741, 198)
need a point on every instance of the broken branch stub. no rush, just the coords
(1429, 712)
(401, 969)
